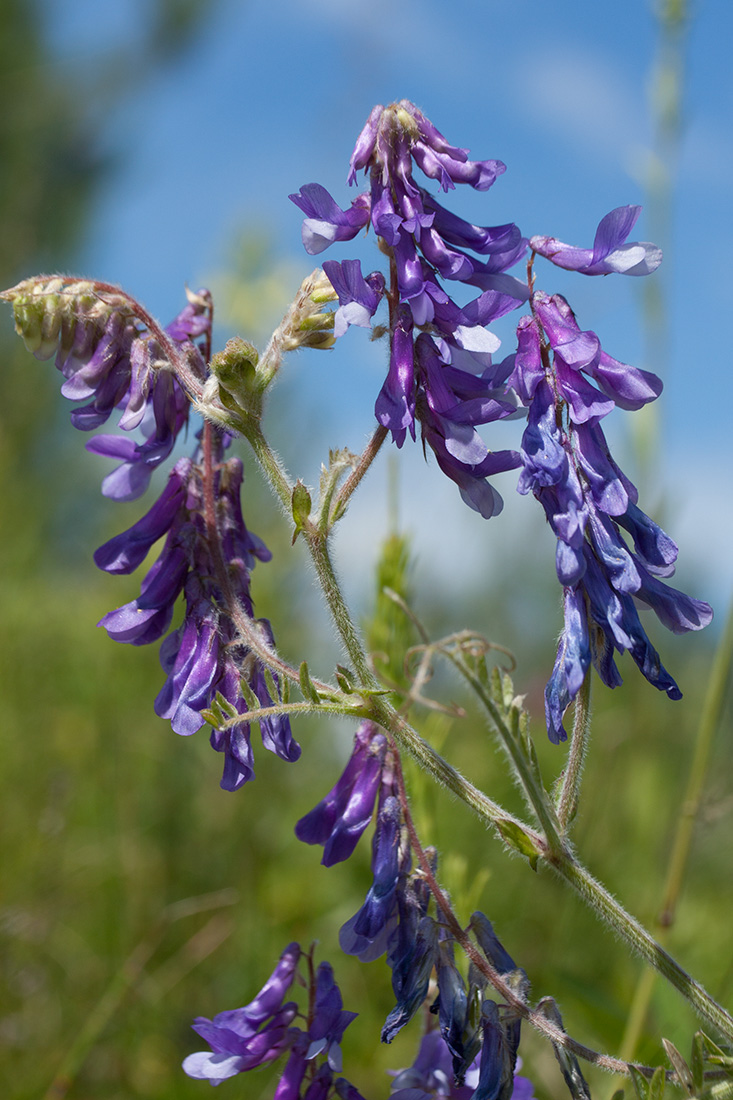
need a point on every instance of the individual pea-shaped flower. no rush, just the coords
(341, 817)
(244, 1038)
(330, 1021)
(610, 253)
(412, 952)
(367, 933)
(458, 1009)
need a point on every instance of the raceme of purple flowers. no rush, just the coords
(115, 357)
(268, 1028)
(203, 658)
(271, 1028)
(396, 919)
(442, 375)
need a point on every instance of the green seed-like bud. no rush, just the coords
(236, 370)
(301, 507)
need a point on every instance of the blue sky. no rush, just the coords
(271, 96)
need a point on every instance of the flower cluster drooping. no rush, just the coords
(111, 351)
(569, 384)
(442, 376)
(270, 1028)
(397, 919)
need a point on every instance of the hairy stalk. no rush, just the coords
(366, 458)
(533, 790)
(293, 708)
(567, 802)
(271, 465)
(636, 936)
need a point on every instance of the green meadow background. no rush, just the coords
(135, 894)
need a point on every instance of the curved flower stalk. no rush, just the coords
(569, 384)
(441, 374)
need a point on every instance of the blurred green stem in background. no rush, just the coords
(689, 810)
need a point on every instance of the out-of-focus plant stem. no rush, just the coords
(688, 814)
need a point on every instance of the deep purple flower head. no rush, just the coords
(569, 384)
(244, 1038)
(610, 253)
(110, 351)
(341, 817)
(440, 373)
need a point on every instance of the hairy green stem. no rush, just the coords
(567, 802)
(636, 936)
(533, 790)
(689, 809)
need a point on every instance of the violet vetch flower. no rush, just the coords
(107, 351)
(329, 1019)
(244, 1038)
(569, 384)
(341, 817)
(610, 252)
(203, 658)
(459, 1010)
(358, 297)
(412, 952)
(367, 933)
(441, 377)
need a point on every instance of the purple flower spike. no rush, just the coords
(569, 384)
(341, 817)
(426, 243)
(610, 252)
